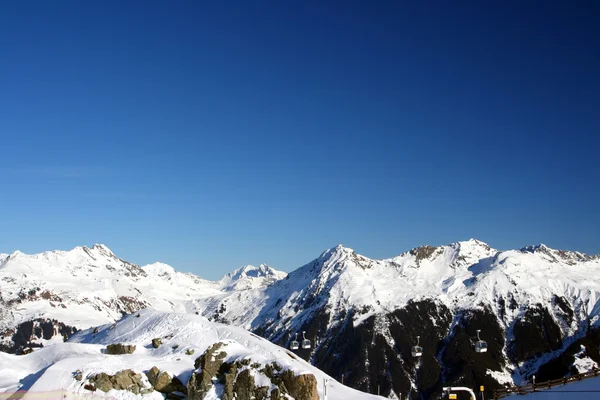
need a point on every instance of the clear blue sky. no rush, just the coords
(214, 134)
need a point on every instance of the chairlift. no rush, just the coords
(305, 341)
(295, 345)
(480, 345)
(417, 351)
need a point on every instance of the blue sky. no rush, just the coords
(210, 135)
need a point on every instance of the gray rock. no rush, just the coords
(123, 380)
(90, 387)
(162, 382)
(210, 362)
(152, 375)
(300, 387)
(244, 387)
(118, 348)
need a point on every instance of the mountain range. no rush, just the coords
(537, 308)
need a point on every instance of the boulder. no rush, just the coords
(118, 348)
(152, 375)
(162, 382)
(123, 380)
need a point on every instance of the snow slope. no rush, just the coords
(51, 368)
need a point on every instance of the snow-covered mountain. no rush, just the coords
(90, 286)
(535, 307)
(530, 304)
(243, 364)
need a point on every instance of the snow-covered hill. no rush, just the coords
(535, 306)
(54, 367)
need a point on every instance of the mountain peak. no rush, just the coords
(336, 252)
(474, 241)
(12, 256)
(159, 269)
(472, 245)
(95, 250)
(536, 248)
(251, 272)
(423, 252)
(99, 246)
(103, 250)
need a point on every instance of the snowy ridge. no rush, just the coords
(460, 275)
(88, 286)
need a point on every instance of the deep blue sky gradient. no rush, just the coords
(209, 135)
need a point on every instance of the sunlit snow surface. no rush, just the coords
(584, 390)
(89, 286)
(52, 367)
(460, 275)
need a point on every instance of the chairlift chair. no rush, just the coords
(295, 345)
(305, 341)
(417, 351)
(480, 345)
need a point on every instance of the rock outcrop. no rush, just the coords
(209, 363)
(29, 333)
(238, 379)
(300, 387)
(123, 380)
